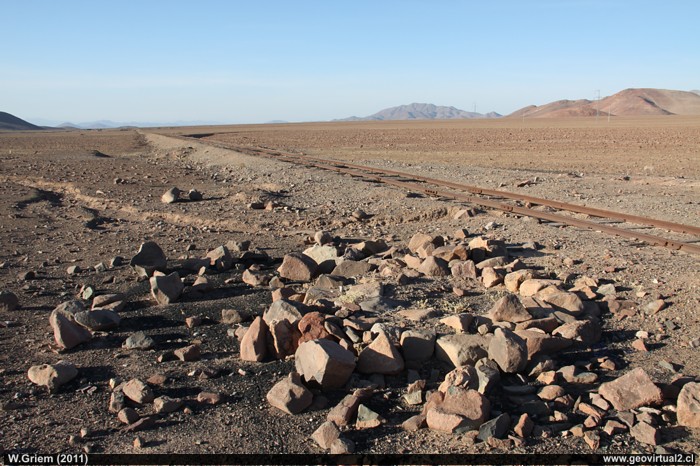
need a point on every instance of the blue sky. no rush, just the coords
(255, 61)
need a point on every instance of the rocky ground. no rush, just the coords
(564, 340)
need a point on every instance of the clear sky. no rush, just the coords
(296, 60)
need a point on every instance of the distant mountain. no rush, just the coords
(10, 122)
(630, 102)
(106, 124)
(418, 111)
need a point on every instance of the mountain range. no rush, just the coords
(630, 102)
(416, 111)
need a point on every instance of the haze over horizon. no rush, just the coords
(251, 62)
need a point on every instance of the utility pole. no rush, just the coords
(597, 106)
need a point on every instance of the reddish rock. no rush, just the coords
(284, 339)
(542, 343)
(632, 390)
(165, 404)
(434, 267)
(490, 277)
(380, 357)
(513, 280)
(312, 327)
(414, 423)
(461, 349)
(464, 270)
(509, 309)
(459, 322)
(67, 333)
(254, 342)
(344, 412)
(298, 267)
(188, 353)
(52, 376)
(137, 390)
(645, 433)
(209, 398)
(524, 426)
(443, 421)
(166, 289)
(128, 416)
(326, 434)
(289, 395)
(508, 350)
(688, 407)
(586, 332)
(551, 392)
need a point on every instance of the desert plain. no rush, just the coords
(73, 201)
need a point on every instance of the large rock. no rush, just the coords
(632, 390)
(312, 327)
(417, 346)
(8, 301)
(100, 319)
(509, 309)
(52, 376)
(149, 259)
(285, 339)
(166, 289)
(66, 332)
(283, 309)
(471, 406)
(254, 342)
(421, 240)
(325, 435)
(298, 267)
(688, 407)
(586, 332)
(344, 412)
(170, 196)
(351, 268)
(220, 258)
(464, 270)
(434, 267)
(569, 302)
(325, 256)
(508, 350)
(289, 395)
(380, 357)
(539, 342)
(461, 349)
(137, 391)
(324, 361)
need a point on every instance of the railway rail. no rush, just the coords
(489, 198)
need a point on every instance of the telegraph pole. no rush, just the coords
(597, 106)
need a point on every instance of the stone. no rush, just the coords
(166, 289)
(513, 280)
(128, 416)
(434, 267)
(592, 439)
(613, 427)
(325, 256)
(149, 259)
(632, 390)
(209, 398)
(688, 406)
(325, 435)
(170, 196)
(421, 239)
(8, 301)
(442, 421)
(654, 307)
(142, 424)
(165, 404)
(231, 317)
(412, 262)
(312, 327)
(464, 270)
(488, 375)
(104, 300)
(323, 237)
(490, 277)
(137, 391)
(551, 392)
(298, 267)
(508, 350)
(325, 362)
(52, 376)
(139, 341)
(509, 309)
(417, 346)
(380, 357)
(546, 324)
(459, 322)
(367, 419)
(193, 321)
(470, 407)
(461, 349)
(116, 401)
(586, 332)
(188, 353)
(645, 433)
(344, 412)
(283, 309)
(351, 268)
(524, 426)
(194, 195)
(284, 339)
(67, 333)
(539, 342)
(464, 377)
(414, 423)
(73, 270)
(289, 395)
(496, 427)
(100, 319)
(569, 302)
(533, 286)
(342, 446)
(253, 346)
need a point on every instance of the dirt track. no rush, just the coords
(61, 207)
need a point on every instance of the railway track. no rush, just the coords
(491, 198)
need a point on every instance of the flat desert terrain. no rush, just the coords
(73, 203)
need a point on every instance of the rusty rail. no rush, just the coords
(388, 177)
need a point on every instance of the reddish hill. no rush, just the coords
(630, 102)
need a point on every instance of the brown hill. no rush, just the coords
(630, 102)
(10, 122)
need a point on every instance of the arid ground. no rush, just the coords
(84, 197)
